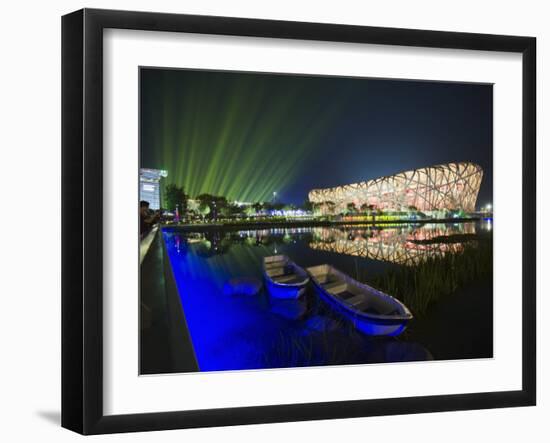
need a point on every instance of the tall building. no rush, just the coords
(149, 186)
(453, 186)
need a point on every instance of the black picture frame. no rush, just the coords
(82, 187)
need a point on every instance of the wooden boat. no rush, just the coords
(371, 311)
(284, 279)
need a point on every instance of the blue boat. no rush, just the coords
(371, 311)
(284, 279)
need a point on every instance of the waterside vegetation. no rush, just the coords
(421, 284)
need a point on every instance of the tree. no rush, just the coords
(192, 205)
(225, 211)
(250, 211)
(235, 210)
(316, 208)
(307, 205)
(175, 196)
(217, 204)
(204, 209)
(351, 208)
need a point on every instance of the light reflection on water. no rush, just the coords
(251, 332)
(403, 245)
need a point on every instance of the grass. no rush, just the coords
(333, 341)
(420, 285)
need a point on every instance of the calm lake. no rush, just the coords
(234, 332)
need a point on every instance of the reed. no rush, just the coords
(424, 283)
(297, 348)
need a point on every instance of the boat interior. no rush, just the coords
(281, 271)
(355, 296)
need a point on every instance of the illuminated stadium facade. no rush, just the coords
(449, 187)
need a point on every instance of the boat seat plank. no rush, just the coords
(335, 287)
(293, 281)
(323, 280)
(276, 262)
(276, 272)
(285, 278)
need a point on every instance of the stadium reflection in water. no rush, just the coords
(404, 245)
(252, 332)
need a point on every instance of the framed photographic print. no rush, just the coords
(269, 221)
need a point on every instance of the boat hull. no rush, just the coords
(284, 279)
(284, 291)
(366, 325)
(370, 327)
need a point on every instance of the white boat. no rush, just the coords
(371, 311)
(284, 279)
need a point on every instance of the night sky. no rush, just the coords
(246, 135)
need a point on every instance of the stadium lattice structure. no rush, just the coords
(453, 186)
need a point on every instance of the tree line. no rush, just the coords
(209, 206)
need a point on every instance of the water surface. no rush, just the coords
(232, 332)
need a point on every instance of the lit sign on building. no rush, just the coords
(149, 186)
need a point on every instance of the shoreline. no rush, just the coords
(308, 223)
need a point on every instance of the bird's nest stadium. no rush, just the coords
(448, 187)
